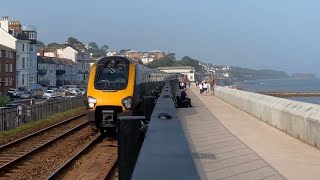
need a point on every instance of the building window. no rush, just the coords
(11, 54)
(31, 48)
(10, 81)
(6, 68)
(10, 67)
(7, 54)
(22, 47)
(6, 81)
(0, 53)
(23, 63)
(22, 79)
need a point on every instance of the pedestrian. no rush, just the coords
(205, 87)
(200, 87)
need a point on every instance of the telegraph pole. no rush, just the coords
(2, 85)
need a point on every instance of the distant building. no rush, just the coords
(77, 53)
(112, 53)
(134, 55)
(144, 57)
(186, 70)
(53, 71)
(7, 68)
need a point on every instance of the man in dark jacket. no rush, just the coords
(184, 97)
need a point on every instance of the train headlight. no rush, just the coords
(127, 102)
(91, 102)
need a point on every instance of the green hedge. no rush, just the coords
(4, 100)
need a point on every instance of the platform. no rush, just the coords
(230, 144)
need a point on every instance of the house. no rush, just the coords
(23, 41)
(7, 68)
(53, 71)
(186, 70)
(77, 53)
(133, 54)
(144, 57)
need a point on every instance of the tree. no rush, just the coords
(40, 44)
(93, 47)
(104, 48)
(73, 40)
(123, 51)
(54, 44)
(170, 56)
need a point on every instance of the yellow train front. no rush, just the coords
(116, 87)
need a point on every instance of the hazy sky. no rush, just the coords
(260, 34)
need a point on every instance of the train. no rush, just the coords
(116, 87)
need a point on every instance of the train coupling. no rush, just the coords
(108, 118)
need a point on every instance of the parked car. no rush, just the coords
(49, 94)
(82, 90)
(15, 92)
(74, 92)
(28, 95)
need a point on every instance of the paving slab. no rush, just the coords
(220, 154)
(228, 143)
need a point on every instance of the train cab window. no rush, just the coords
(111, 78)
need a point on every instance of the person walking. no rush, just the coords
(200, 88)
(205, 87)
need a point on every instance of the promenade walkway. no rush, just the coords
(228, 143)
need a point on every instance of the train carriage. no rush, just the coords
(116, 87)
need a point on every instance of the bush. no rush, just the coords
(4, 100)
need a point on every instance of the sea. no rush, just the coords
(284, 85)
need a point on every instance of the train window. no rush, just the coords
(111, 78)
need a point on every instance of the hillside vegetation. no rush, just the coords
(234, 73)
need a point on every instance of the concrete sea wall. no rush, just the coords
(299, 119)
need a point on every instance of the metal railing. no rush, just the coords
(19, 114)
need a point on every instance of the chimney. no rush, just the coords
(4, 23)
(41, 52)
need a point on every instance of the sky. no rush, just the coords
(260, 34)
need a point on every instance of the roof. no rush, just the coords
(154, 51)
(54, 60)
(79, 47)
(3, 47)
(22, 36)
(175, 67)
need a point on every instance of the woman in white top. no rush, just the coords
(200, 87)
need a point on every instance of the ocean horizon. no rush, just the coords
(284, 85)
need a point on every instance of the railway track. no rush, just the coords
(14, 152)
(100, 157)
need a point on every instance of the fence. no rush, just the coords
(13, 117)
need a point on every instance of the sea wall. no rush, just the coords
(299, 119)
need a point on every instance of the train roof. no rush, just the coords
(129, 60)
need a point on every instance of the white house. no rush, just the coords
(80, 56)
(53, 71)
(186, 70)
(11, 36)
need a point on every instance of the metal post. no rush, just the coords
(148, 105)
(2, 85)
(130, 139)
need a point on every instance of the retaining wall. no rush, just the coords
(299, 119)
